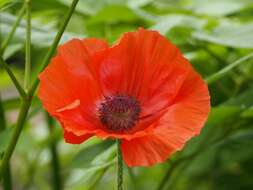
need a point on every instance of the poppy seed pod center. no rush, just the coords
(119, 112)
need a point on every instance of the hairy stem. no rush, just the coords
(19, 126)
(120, 168)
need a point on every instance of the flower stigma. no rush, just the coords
(119, 112)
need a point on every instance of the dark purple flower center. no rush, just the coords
(119, 112)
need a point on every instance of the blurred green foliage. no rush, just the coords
(211, 33)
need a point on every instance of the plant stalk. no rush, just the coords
(26, 102)
(120, 167)
(54, 45)
(7, 181)
(13, 78)
(28, 45)
(55, 163)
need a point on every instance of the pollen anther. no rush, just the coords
(119, 112)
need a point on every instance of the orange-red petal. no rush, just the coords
(67, 85)
(183, 120)
(74, 139)
(144, 65)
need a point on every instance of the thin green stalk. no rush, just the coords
(55, 163)
(120, 168)
(28, 45)
(221, 73)
(14, 28)
(27, 101)
(7, 182)
(12, 76)
(19, 126)
(2, 116)
(54, 45)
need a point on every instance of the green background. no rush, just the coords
(211, 33)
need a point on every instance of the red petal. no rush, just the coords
(74, 139)
(183, 120)
(63, 82)
(145, 65)
(147, 150)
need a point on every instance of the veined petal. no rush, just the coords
(144, 65)
(183, 120)
(67, 85)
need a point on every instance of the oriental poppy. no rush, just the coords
(140, 90)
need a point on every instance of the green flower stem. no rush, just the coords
(55, 163)
(120, 168)
(19, 126)
(26, 102)
(2, 116)
(221, 73)
(54, 45)
(7, 182)
(28, 45)
(13, 30)
(12, 76)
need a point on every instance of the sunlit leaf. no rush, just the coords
(111, 14)
(166, 23)
(217, 7)
(85, 157)
(232, 34)
(41, 35)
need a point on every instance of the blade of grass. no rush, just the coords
(221, 73)
(13, 30)
(12, 76)
(27, 101)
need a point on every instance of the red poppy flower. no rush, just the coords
(141, 90)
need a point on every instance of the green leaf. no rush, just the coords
(88, 7)
(42, 35)
(217, 7)
(244, 136)
(11, 50)
(12, 103)
(166, 23)
(244, 100)
(85, 157)
(3, 2)
(86, 177)
(248, 113)
(110, 14)
(228, 33)
(222, 113)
